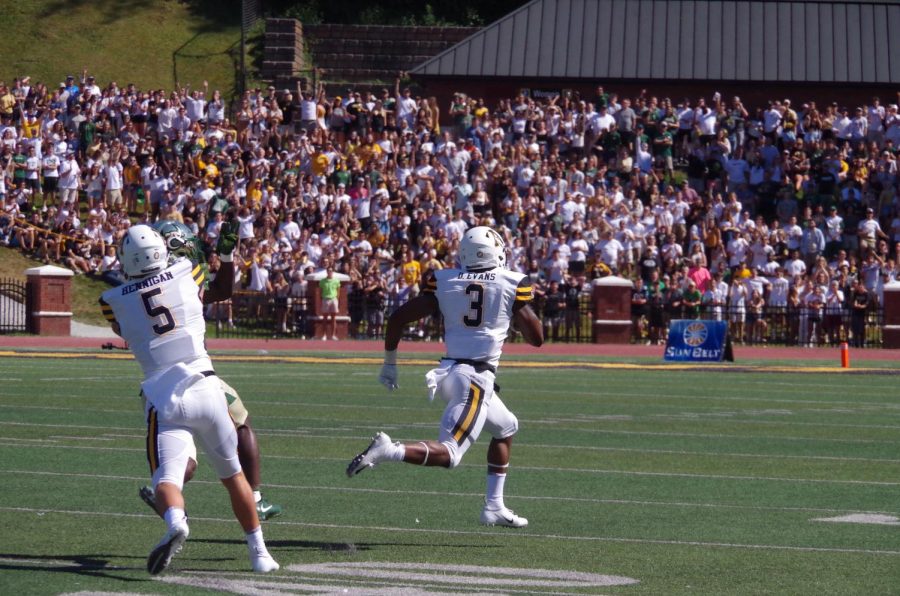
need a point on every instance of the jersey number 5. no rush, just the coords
(158, 311)
(476, 306)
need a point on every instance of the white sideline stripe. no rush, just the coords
(695, 418)
(683, 417)
(100, 378)
(776, 547)
(341, 489)
(668, 396)
(4, 443)
(856, 406)
(85, 447)
(712, 476)
(305, 434)
(712, 453)
(62, 409)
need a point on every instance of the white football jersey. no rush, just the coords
(477, 309)
(161, 318)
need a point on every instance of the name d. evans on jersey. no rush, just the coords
(486, 276)
(146, 283)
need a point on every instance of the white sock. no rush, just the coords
(255, 541)
(174, 516)
(257, 496)
(495, 484)
(398, 453)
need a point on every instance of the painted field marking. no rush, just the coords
(541, 364)
(12, 443)
(534, 422)
(306, 434)
(506, 535)
(863, 518)
(563, 499)
(460, 577)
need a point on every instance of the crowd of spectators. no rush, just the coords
(712, 207)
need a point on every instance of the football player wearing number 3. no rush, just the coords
(159, 312)
(479, 302)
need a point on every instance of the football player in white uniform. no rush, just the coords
(479, 302)
(159, 312)
(181, 242)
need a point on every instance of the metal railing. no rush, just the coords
(12, 306)
(775, 325)
(255, 315)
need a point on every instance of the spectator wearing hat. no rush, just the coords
(869, 231)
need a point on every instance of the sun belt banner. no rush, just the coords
(692, 340)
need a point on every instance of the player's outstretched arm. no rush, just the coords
(419, 307)
(528, 324)
(222, 287)
(423, 305)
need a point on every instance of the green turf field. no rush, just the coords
(634, 481)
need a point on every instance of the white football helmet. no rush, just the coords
(482, 248)
(142, 252)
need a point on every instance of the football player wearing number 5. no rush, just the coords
(479, 302)
(159, 312)
(181, 242)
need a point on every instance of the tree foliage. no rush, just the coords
(465, 13)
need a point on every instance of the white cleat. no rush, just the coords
(262, 561)
(168, 547)
(502, 517)
(377, 451)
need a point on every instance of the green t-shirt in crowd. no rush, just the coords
(329, 287)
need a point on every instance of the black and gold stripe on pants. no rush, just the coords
(470, 412)
(152, 440)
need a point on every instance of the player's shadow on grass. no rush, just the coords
(88, 565)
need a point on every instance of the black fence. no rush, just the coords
(12, 306)
(254, 315)
(774, 325)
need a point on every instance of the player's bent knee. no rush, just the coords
(168, 475)
(510, 428)
(455, 453)
(189, 470)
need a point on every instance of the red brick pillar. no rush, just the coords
(892, 315)
(49, 300)
(612, 310)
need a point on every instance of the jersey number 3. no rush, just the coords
(476, 306)
(168, 322)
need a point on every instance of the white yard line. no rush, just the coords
(494, 534)
(540, 422)
(306, 433)
(343, 489)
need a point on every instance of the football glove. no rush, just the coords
(228, 238)
(388, 376)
